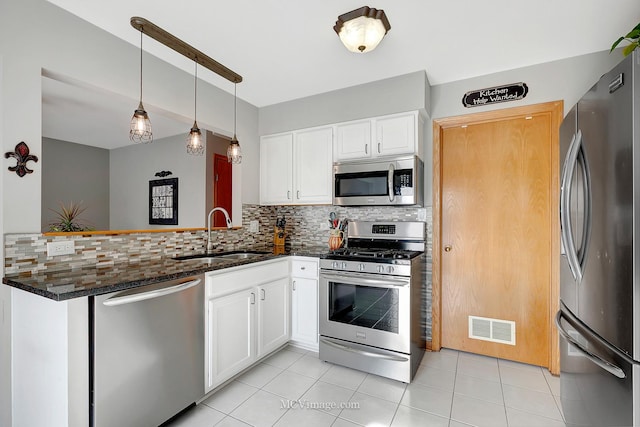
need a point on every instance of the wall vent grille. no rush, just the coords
(494, 330)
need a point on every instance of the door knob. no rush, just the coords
(447, 248)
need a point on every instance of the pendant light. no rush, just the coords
(140, 127)
(195, 145)
(234, 153)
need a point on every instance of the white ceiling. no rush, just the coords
(287, 49)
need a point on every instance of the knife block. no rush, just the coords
(278, 236)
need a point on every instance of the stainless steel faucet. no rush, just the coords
(210, 245)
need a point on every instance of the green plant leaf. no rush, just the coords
(636, 31)
(613, 46)
(630, 48)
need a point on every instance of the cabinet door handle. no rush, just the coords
(288, 194)
(378, 148)
(298, 194)
(264, 294)
(294, 285)
(366, 148)
(253, 298)
(303, 268)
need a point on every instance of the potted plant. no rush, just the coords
(633, 37)
(67, 218)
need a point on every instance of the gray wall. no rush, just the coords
(566, 79)
(75, 173)
(408, 92)
(133, 166)
(5, 303)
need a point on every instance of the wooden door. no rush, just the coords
(497, 243)
(222, 188)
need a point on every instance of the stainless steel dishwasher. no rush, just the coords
(148, 353)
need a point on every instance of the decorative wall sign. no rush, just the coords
(22, 156)
(493, 95)
(162, 174)
(163, 201)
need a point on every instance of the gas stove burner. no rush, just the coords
(368, 253)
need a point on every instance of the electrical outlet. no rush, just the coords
(253, 226)
(64, 247)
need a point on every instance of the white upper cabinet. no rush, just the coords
(396, 134)
(295, 167)
(390, 135)
(276, 169)
(312, 165)
(353, 140)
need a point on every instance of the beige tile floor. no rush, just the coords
(451, 389)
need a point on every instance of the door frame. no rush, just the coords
(556, 111)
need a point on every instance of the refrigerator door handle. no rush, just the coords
(581, 252)
(565, 199)
(609, 367)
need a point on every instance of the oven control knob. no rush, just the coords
(380, 269)
(361, 267)
(344, 265)
(334, 264)
(390, 269)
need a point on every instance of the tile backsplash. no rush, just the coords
(26, 254)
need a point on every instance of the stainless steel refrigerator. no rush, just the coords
(599, 319)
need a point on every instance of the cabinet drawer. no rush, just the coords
(304, 268)
(226, 281)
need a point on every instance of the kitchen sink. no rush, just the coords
(222, 256)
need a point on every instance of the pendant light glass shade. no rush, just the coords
(234, 153)
(361, 30)
(140, 127)
(195, 145)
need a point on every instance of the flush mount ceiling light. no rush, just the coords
(234, 153)
(361, 30)
(140, 128)
(195, 146)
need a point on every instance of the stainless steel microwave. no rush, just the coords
(385, 181)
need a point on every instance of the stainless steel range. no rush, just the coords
(370, 298)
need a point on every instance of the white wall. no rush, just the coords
(53, 42)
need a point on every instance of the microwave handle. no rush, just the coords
(390, 174)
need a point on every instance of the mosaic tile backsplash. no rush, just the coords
(26, 254)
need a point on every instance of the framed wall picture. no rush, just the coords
(163, 201)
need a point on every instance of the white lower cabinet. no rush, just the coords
(247, 317)
(273, 315)
(304, 302)
(230, 345)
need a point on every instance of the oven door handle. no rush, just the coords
(364, 352)
(359, 280)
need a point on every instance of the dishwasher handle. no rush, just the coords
(142, 296)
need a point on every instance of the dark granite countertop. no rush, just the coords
(63, 284)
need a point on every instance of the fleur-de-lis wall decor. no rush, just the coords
(22, 156)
